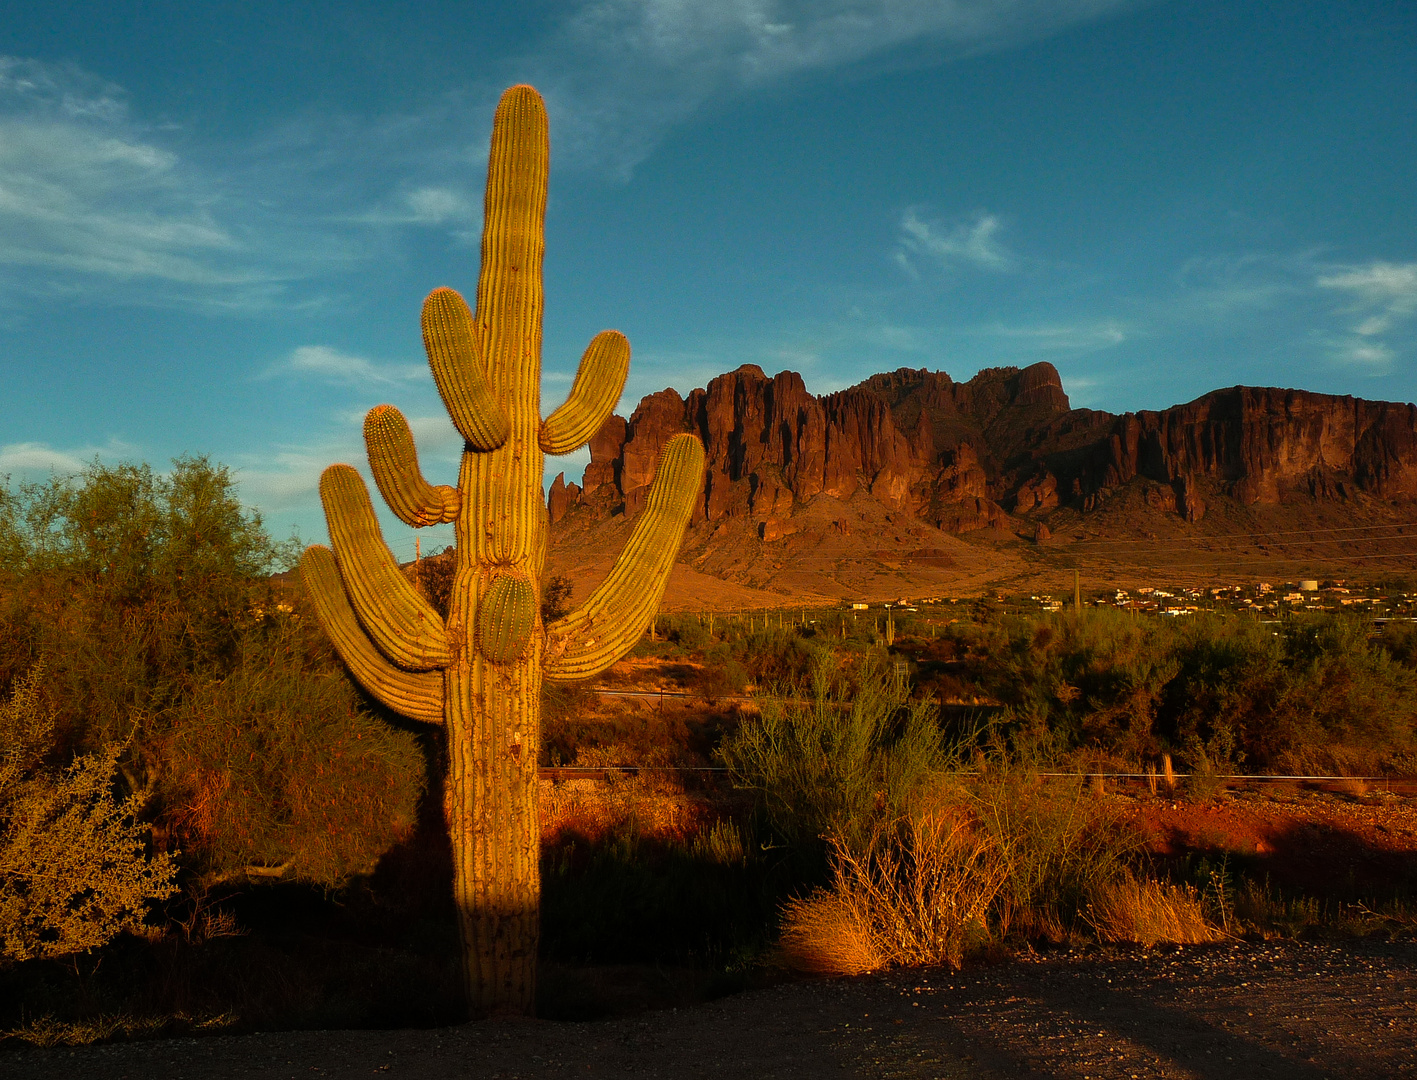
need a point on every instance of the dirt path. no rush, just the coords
(1297, 1011)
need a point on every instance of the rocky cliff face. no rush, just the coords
(967, 456)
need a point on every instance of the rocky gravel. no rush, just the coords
(1295, 1010)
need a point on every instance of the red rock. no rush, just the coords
(561, 498)
(951, 453)
(605, 447)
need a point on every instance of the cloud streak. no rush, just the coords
(96, 202)
(1383, 298)
(332, 366)
(84, 190)
(618, 73)
(29, 460)
(972, 244)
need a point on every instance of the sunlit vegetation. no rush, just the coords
(248, 841)
(167, 647)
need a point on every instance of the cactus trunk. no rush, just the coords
(493, 717)
(492, 651)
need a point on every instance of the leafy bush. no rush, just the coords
(912, 895)
(1217, 692)
(1059, 847)
(839, 756)
(74, 870)
(152, 600)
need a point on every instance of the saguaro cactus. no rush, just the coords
(480, 671)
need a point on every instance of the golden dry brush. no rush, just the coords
(479, 671)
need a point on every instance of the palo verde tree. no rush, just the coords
(480, 671)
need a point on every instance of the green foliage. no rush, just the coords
(277, 766)
(838, 756)
(555, 598)
(150, 599)
(74, 870)
(1314, 693)
(1058, 845)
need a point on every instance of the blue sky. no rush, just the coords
(218, 221)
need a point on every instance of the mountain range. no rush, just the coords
(910, 482)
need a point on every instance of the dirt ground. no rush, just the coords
(1292, 1010)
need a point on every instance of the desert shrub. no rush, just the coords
(838, 756)
(686, 632)
(1071, 682)
(911, 894)
(555, 597)
(1148, 911)
(1399, 641)
(152, 599)
(776, 656)
(1314, 695)
(1216, 692)
(1059, 847)
(277, 767)
(74, 869)
(723, 679)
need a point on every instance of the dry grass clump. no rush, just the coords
(1058, 844)
(654, 801)
(912, 894)
(1148, 912)
(829, 933)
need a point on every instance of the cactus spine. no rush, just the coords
(479, 672)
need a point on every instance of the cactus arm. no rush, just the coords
(415, 694)
(607, 625)
(455, 358)
(594, 395)
(406, 627)
(393, 460)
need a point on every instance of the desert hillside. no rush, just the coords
(911, 484)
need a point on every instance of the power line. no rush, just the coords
(1247, 536)
(1339, 559)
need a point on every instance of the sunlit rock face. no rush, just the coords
(984, 453)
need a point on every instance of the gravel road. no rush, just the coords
(1295, 1010)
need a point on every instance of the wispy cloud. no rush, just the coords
(96, 201)
(618, 73)
(973, 243)
(431, 206)
(86, 190)
(30, 460)
(1383, 297)
(1230, 283)
(330, 365)
(1082, 337)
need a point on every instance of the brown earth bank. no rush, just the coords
(1295, 1010)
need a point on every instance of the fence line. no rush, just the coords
(556, 771)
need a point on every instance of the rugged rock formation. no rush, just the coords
(1258, 445)
(561, 497)
(958, 454)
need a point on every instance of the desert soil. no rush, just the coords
(1292, 1010)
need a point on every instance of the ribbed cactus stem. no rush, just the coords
(505, 618)
(600, 380)
(415, 694)
(455, 357)
(404, 625)
(393, 460)
(607, 625)
(484, 668)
